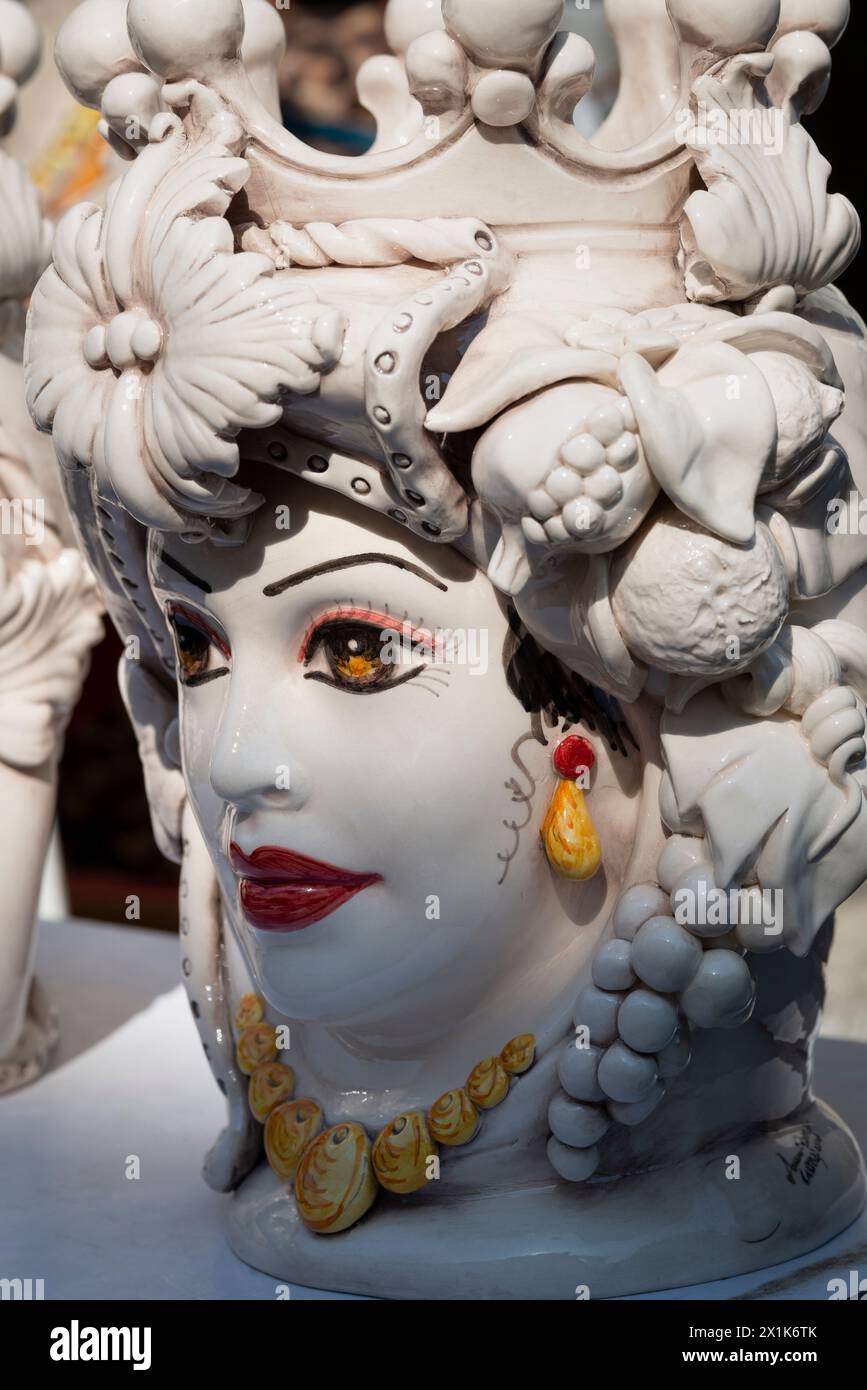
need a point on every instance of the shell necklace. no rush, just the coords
(337, 1171)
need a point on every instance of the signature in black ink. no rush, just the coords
(806, 1158)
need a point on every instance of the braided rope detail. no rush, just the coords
(376, 241)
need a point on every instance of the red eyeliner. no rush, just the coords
(282, 891)
(365, 615)
(196, 620)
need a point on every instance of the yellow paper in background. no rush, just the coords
(74, 166)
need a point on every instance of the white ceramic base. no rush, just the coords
(615, 1238)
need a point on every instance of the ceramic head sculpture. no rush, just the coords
(474, 512)
(49, 608)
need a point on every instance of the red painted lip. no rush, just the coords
(283, 891)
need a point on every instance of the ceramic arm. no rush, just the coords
(48, 622)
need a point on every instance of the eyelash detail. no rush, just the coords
(178, 610)
(365, 650)
(383, 621)
(359, 648)
(194, 639)
(207, 676)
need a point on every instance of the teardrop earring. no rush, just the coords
(568, 832)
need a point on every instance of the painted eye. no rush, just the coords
(195, 643)
(363, 655)
(357, 653)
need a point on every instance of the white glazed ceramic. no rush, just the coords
(48, 604)
(581, 422)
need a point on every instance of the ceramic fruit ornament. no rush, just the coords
(690, 603)
(563, 468)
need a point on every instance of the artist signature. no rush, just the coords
(806, 1158)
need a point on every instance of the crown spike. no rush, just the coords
(725, 27)
(189, 38)
(22, 44)
(406, 20)
(512, 33)
(825, 18)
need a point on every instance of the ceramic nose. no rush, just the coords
(255, 761)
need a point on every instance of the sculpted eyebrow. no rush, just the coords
(180, 569)
(346, 563)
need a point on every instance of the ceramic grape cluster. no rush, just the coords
(591, 491)
(653, 980)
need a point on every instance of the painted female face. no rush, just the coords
(349, 741)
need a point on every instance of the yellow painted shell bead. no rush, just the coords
(289, 1130)
(401, 1152)
(453, 1119)
(519, 1054)
(251, 1009)
(488, 1083)
(257, 1044)
(270, 1084)
(335, 1184)
(569, 835)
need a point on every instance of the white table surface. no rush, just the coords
(129, 1077)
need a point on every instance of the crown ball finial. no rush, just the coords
(509, 33)
(437, 69)
(503, 98)
(825, 18)
(185, 38)
(725, 26)
(406, 20)
(92, 48)
(264, 33)
(21, 45)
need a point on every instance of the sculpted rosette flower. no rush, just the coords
(147, 371)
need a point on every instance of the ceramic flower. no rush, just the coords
(655, 334)
(147, 367)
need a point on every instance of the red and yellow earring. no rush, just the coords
(568, 832)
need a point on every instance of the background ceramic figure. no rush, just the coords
(48, 603)
(510, 470)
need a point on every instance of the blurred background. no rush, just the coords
(107, 846)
